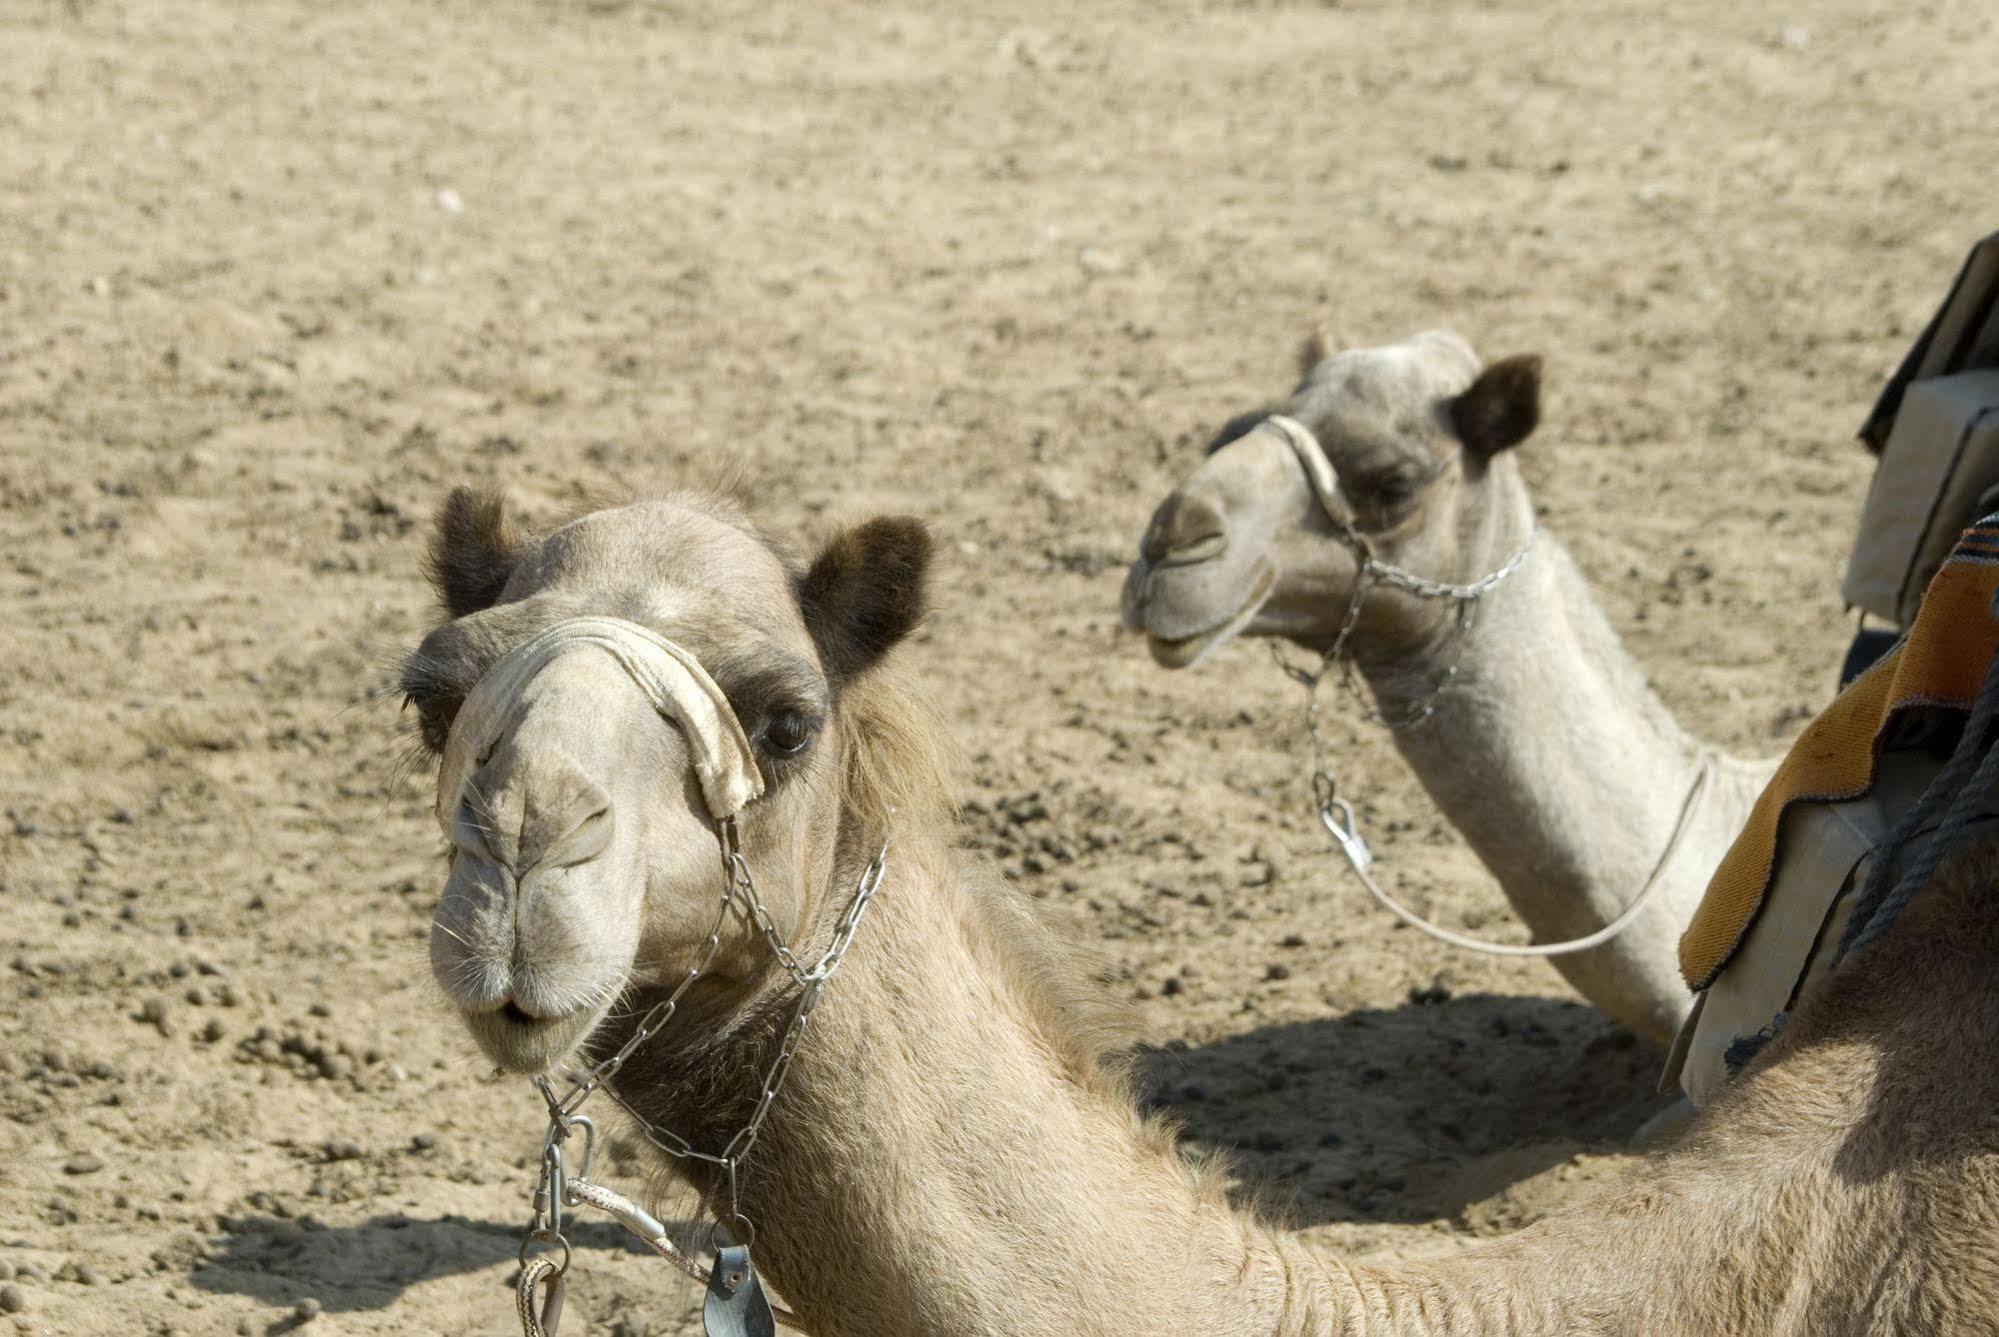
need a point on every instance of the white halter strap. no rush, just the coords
(1318, 469)
(672, 679)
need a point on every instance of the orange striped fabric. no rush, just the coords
(1942, 661)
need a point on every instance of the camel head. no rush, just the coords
(584, 861)
(1416, 433)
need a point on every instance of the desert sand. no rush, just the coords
(274, 275)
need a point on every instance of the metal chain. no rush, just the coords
(557, 1189)
(1337, 815)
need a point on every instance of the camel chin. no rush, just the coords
(518, 1042)
(1190, 651)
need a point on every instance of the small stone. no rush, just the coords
(1171, 985)
(86, 1275)
(1277, 970)
(424, 1142)
(84, 1163)
(6, 1270)
(306, 1310)
(12, 1299)
(343, 1151)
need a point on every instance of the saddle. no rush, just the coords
(1860, 787)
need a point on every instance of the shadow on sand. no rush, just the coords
(1395, 1115)
(1411, 1113)
(369, 1265)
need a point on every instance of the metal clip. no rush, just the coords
(548, 1193)
(1336, 815)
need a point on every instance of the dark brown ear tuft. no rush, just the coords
(1316, 348)
(1502, 408)
(472, 551)
(865, 591)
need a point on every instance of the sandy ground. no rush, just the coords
(274, 275)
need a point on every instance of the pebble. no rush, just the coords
(12, 1299)
(6, 1270)
(84, 1163)
(1277, 971)
(86, 1275)
(306, 1310)
(343, 1151)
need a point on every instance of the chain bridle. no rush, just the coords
(558, 1189)
(1371, 571)
(1335, 813)
(685, 697)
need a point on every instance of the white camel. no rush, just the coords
(1543, 743)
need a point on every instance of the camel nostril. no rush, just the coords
(1186, 529)
(1203, 549)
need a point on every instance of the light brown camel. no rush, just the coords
(954, 1153)
(1547, 748)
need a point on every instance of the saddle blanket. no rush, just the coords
(1776, 905)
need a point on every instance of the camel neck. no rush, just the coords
(947, 1158)
(1564, 771)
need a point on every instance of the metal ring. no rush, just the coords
(748, 1239)
(548, 1237)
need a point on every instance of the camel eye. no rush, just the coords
(1393, 491)
(787, 733)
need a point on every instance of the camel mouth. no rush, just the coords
(1189, 651)
(519, 1042)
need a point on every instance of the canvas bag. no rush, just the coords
(1936, 430)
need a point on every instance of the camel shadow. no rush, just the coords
(1413, 1113)
(368, 1266)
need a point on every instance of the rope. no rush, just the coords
(649, 1232)
(548, 1318)
(1357, 859)
(1965, 788)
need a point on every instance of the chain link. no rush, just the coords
(739, 891)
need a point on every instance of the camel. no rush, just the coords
(1543, 744)
(955, 1150)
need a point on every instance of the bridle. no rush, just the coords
(1335, 813)
(685, 697)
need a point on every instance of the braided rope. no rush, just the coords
(544, 1321)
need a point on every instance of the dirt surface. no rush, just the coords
(274, 275)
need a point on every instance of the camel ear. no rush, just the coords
(1316, 348)
(865, 591)
(473, 550)
(1502, 408)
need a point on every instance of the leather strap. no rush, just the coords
(736, 1306)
